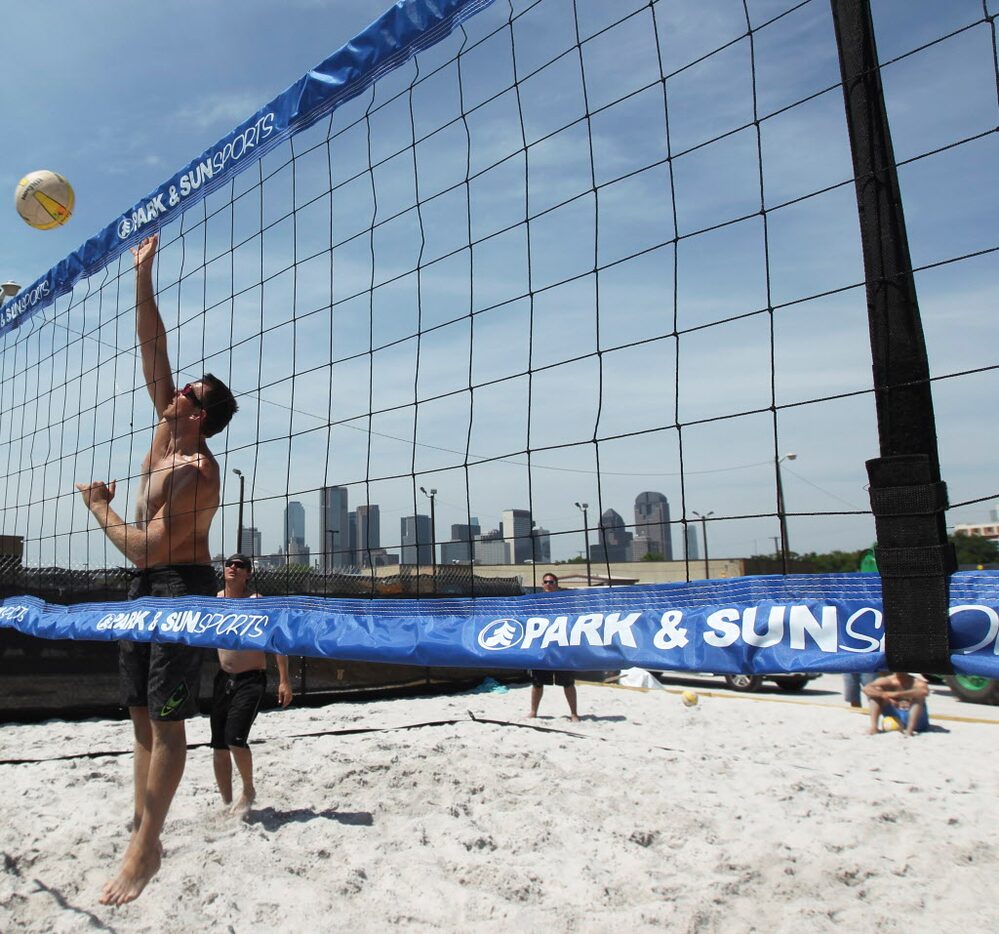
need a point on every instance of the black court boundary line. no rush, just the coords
(320, 697)
(353, 731)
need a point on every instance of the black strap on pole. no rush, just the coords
(907, 498)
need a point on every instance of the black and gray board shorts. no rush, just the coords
(235, 702)
(165, 676)
(540, 679)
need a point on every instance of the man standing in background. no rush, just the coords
(239, 689)
(564, 679)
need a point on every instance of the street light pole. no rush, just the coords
(8, 290)
(704, 537)
(582, 507)
(239, 520)
(781, 511)
(432, 494)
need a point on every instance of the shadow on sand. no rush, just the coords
(93, 922)
(271, 819)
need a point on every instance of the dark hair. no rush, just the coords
(549, 574)
(218, 403)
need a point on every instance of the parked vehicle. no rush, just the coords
(747, 683)
(974, 688)
(795, 682)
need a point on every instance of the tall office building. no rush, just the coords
(542, 545)
(368, 535)
(297, 552)
(491, 548)
(693, 552)
(614, 543)
(294, 523)
(250, 543)
(334, 527)
(640, 547)
(652, 522)
(460, 549)
(352, 537)
(416, 540)
(517, 533)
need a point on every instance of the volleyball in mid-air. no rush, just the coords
(44, 199)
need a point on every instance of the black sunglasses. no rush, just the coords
(242, 565)
(549, 581)
(188, 393)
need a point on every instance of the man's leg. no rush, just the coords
(244, 762)
(142, 858)
(915, 715)
(875, 709)
(536, 692)
(570, 696)
(221, 763)
(223, 774)
(143, 746)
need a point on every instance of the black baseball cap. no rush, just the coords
(244, 559)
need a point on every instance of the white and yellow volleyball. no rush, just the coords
(44, 199)
(689, 699)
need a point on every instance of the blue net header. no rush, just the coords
(402, 31)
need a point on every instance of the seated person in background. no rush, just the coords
(902, 696)
(239, 689)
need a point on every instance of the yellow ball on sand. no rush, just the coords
(689, 699)
(890, 725)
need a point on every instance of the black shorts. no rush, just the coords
(235, 702)
(563, 679)
(165, 676)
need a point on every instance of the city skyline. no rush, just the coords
(518, 538)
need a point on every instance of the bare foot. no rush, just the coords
(242, 807)
(133, 828)
(575, 719)
(873, 731)
(137, 869)
(532, 715)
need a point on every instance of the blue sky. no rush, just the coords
(143, 89)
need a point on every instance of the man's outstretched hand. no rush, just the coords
(143, 253)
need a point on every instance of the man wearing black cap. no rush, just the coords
(239, 689)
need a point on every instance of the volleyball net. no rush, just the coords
(518, 283)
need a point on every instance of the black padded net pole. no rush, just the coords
(908, 499)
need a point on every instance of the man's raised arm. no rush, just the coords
(149, 330)
(150, 543)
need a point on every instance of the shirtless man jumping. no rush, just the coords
(168, 543)
(239, 689)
